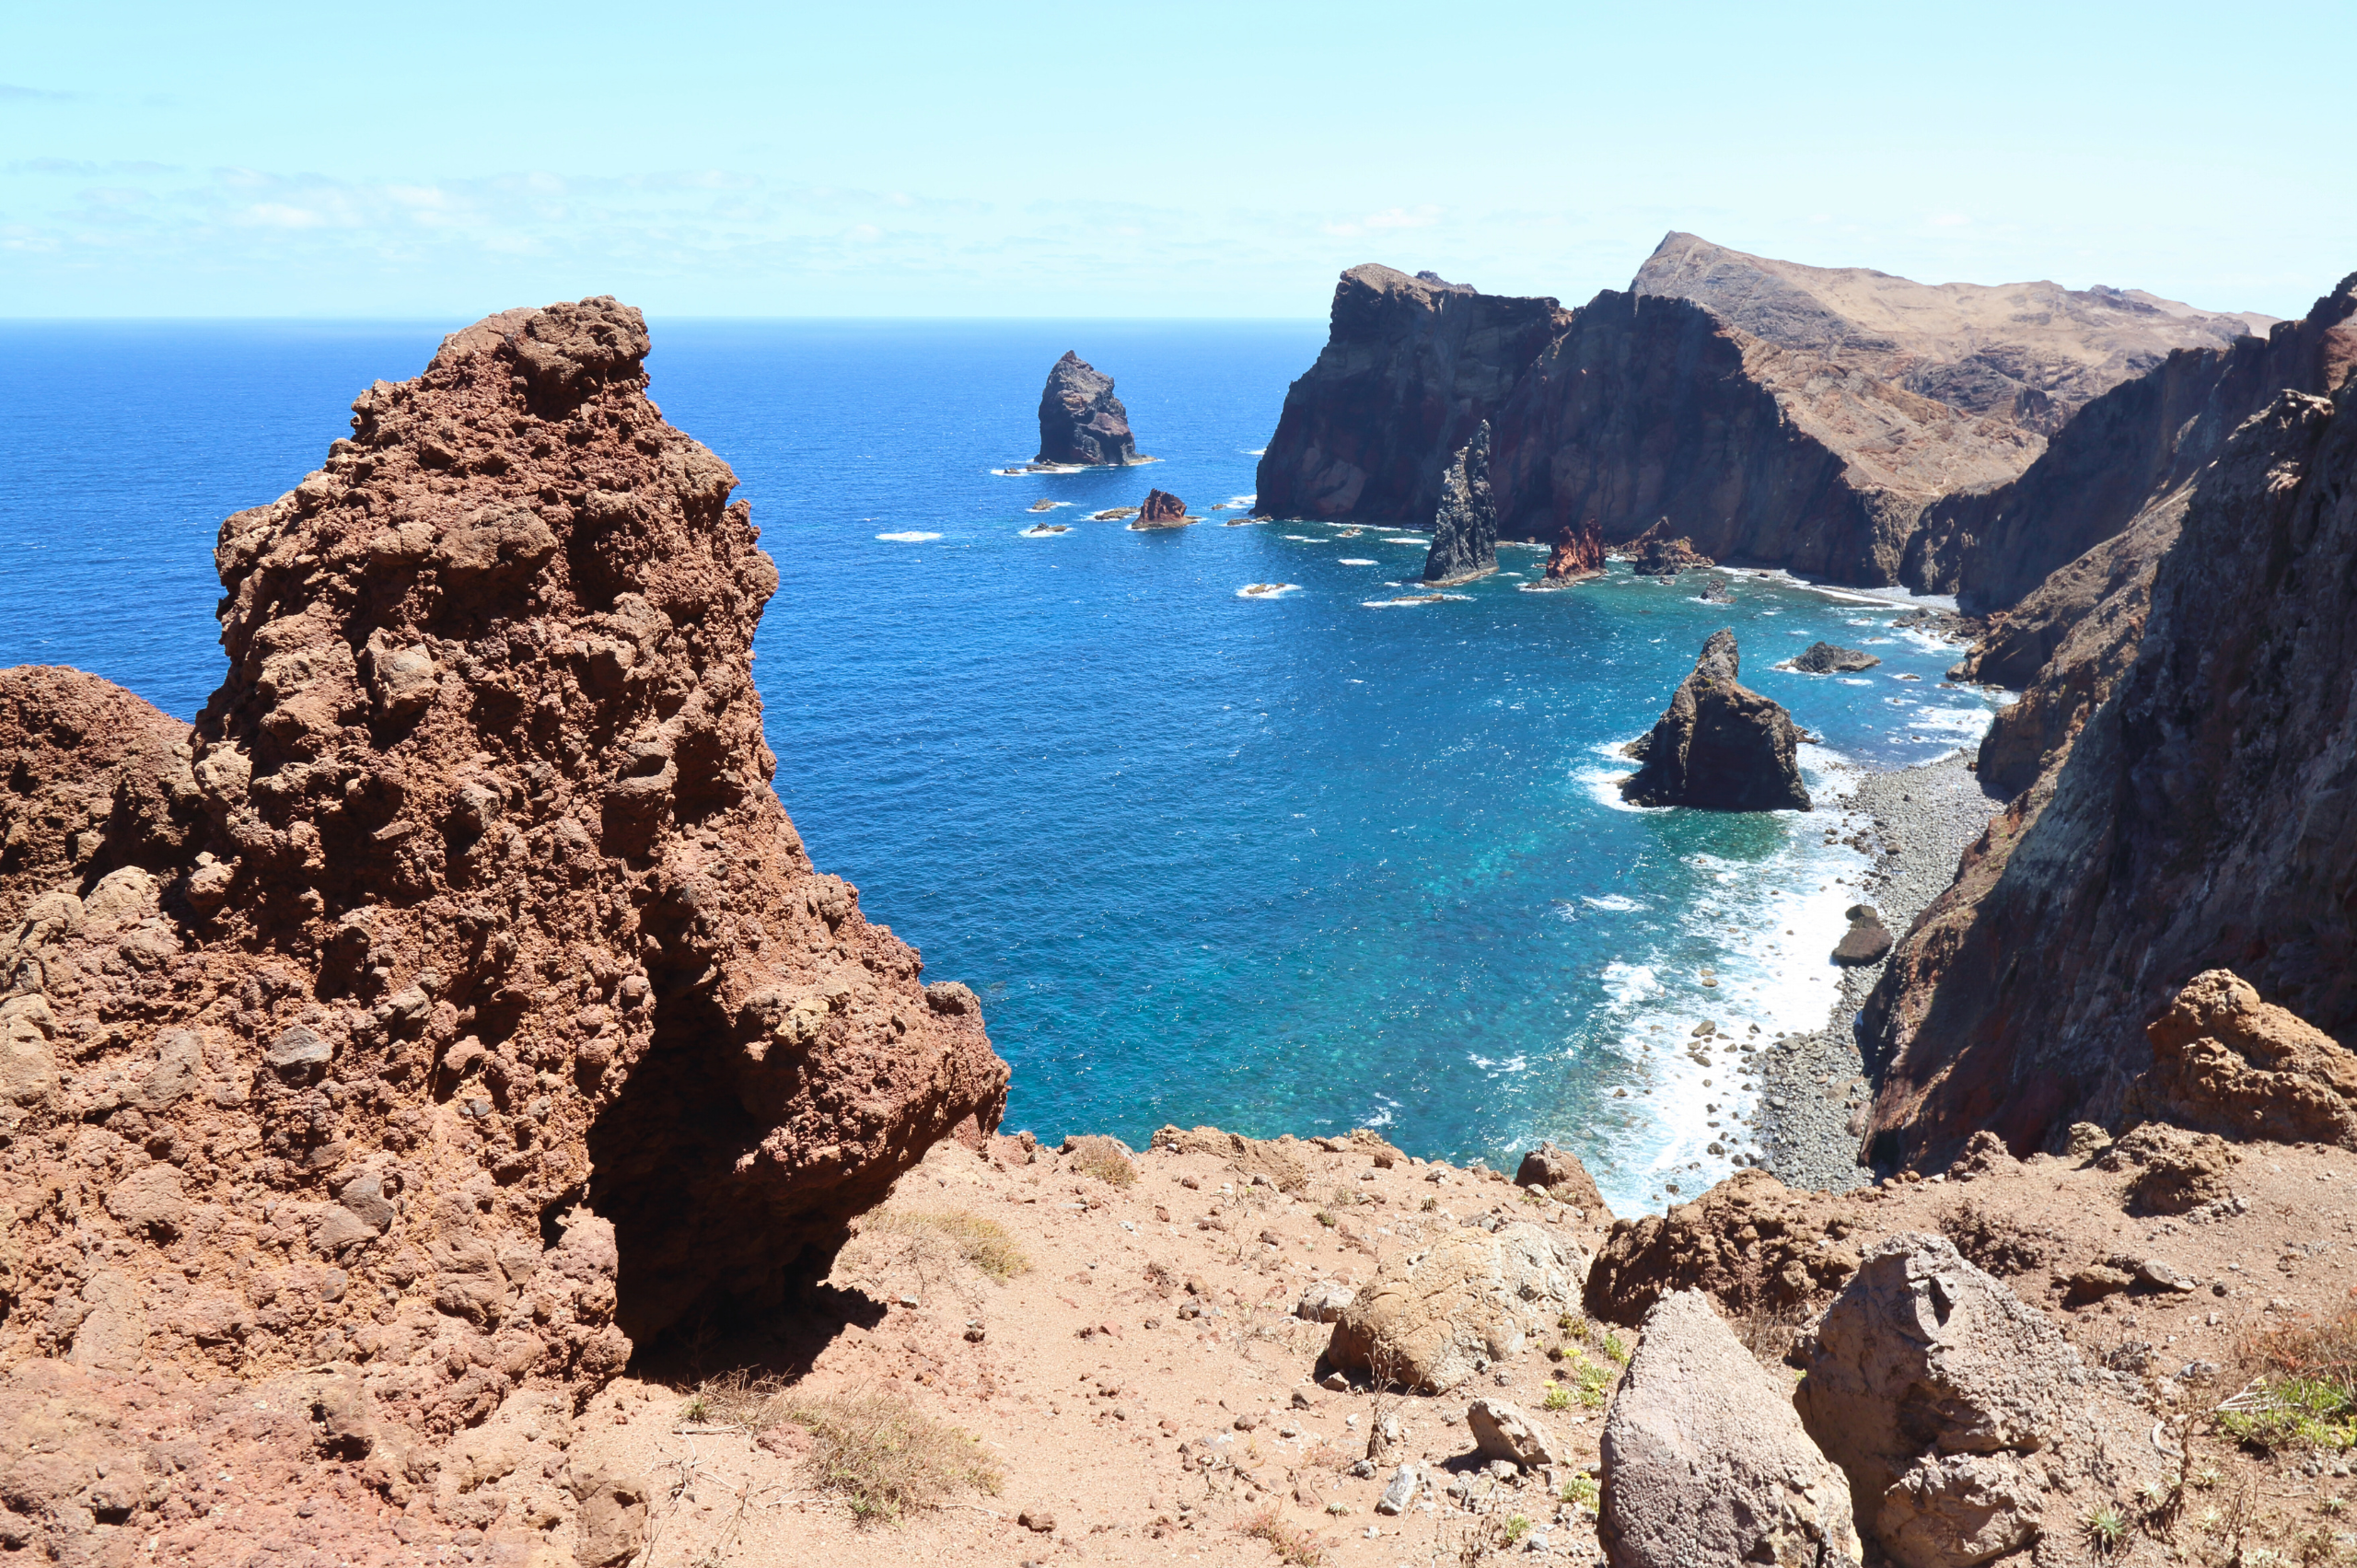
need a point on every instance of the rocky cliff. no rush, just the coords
(2197, 823)
(1465, 524)
(454, 1006)
(1411, 367)
(1577, 554)
(1719, 744)
(1080, 419)
(2030, 354)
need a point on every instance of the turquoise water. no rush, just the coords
(1287, 863)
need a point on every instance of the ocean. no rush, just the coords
(1294, 863)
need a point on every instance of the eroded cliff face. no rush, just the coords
(455, 1002)
(1411, 367)
(2199, 823)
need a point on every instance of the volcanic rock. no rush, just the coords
(1719, 744)
(1966, 1422)
(1162, 510)
(1866, 940)
(1437, 1317)
(2029, 354)
(2199, 823)
(2171, 1171)
(1410, 369)
(1578, 554)
(1704, 1460)
(1753, 1244)
(1503, 1429)
(1655, 554)
(2225, 1061)
(1824, 658)
(1559, 1173)
(1465, 524)
(455, 995)
(1080, 419)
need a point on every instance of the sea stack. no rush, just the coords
(1719, 745)
(1465, 527)
(1830, 658)
(1578, 554)
(1657, 555)
(1080, 419)
(1162, 510)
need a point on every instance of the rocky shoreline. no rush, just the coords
(1812, 1087)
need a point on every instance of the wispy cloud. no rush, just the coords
(12, 93)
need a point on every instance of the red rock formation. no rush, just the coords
(1578, 553)
(2197, 823)
(1411, 368)
(2225, 1061)
(455, 1004)
(1161, 510)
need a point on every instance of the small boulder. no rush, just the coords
(1825, 658)
(1401, 1490)
(1429, 1320)
(1704, 1461)
(1324, 1301)
(1503, 1431)
(1865, 942)
(613, 1496)
(1559, 1173)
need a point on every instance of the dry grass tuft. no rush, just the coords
(881, 1456)
(736, 1399)
(1291, 1543)
(983, 1243)
(1101, 1157)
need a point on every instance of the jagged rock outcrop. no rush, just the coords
(1719, 744)
(1431, 1320)
(2030, 354)
(1967, 1424)
(1703, 1459)
(1655, 554)
(2225, 1061)
(454, 1003)
(2198, 823)
(1750, 1243)
(1465, 524)
(1577, 555)
(1411, 368)
(1825, 658)
(1080, 419)
(1162, 510)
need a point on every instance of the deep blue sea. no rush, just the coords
(1296, 863)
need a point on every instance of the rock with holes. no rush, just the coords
(1704, 1460)
(466, 898)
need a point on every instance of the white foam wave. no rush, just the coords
(908, 536)
(1353, 561)
(1612, 901)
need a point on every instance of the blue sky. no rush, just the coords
(1111, 159)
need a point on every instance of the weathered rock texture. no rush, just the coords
(1966, 1422)
(1465, 524)
(1431, 1320)
(1080, 419)
(1866, 940)
(2199, 822)
(1719, 744)
(1578, 553)
(1705, 1462)
(2030, 354)
(2225, 1061)
(1559, 1173)
(1410, 369)
(1825, 658)
(1655, 554)
(455, 1004)
(1755, 1245)
(1161, 510)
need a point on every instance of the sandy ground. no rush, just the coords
(1083, 1380)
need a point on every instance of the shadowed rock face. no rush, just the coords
(1465, 524)
(1719, 744)
(1578, 553)
(457, 982)
(1410, 369)
(1080, 419)
(1825, 658)
(2199, 822)
(1161, 510)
